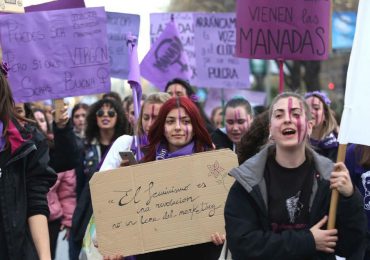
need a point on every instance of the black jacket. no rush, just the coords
(65, 155)
(25, 180)
(221, 140)
(248, 229)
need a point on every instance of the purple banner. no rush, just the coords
(118, 26)
(166, 59)
(214, 98)
(284, 29)
(56, 5)
(215, 36)
(185, 26)
(56, 54)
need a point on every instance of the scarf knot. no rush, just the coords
(163, 153)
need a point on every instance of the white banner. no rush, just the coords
(355, 123)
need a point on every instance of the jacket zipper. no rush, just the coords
(23, 154)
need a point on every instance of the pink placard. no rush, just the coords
(283, 29)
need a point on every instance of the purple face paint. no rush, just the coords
(290, 104)
(235, 119)
(179, 117)
(299, 125)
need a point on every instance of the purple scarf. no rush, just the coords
(2, 137)
(329, 142)
(163, 153)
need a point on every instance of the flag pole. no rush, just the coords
(335, 194)
(134, 81)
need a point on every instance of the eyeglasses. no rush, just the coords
(101, 113)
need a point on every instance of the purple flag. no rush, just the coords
(56, 5)
(184, 22)
(134, 81)
(134, 73)
(284, 29)
(166, 59)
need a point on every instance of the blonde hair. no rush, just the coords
(155, 98)
(329, 124)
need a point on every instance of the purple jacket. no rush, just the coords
(360, 177)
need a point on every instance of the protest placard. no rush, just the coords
(185, 26)
(215, 37)
(11, 6)
(118, 26)
(162, 204)
(284, 29)
(56, 54)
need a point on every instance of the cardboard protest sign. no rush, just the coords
(284, 29)
(185, 26)
(11, 6)
(166, 59)
(56, 54)
(215, 37)
(162, 204)
(354, 127)
(55, 5)
(118, 26)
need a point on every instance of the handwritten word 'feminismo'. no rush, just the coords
(131, 196)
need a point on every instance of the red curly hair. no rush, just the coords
(202, 140)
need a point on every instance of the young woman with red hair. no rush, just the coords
(179, 126)
(180, 130)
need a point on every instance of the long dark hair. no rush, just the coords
(92, 129)
(202, 139)
(6, 102)
(255, 138)
(363, 152)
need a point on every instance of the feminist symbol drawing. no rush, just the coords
(215, 169)
(169, 52)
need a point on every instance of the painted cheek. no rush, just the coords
(301, 128)
(186, 132)
(315, 113)
(245, 126)
(178, 119)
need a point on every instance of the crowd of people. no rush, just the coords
(276, 209)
